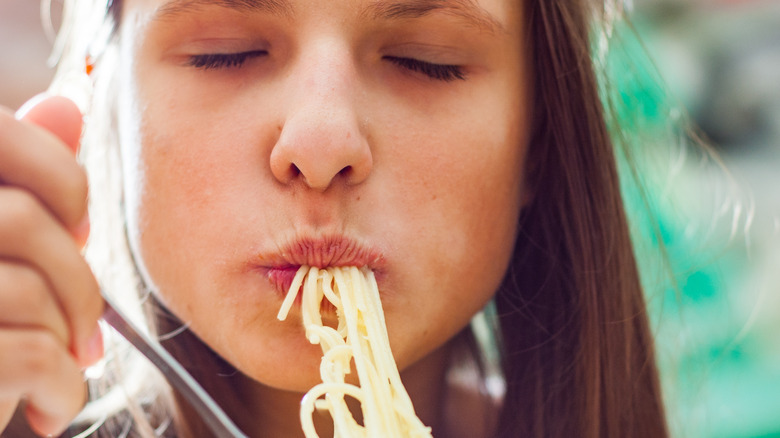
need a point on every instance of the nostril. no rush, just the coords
(315, 152)
(288, 174)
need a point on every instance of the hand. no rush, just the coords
(49, 299)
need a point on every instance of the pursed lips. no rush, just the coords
(280, 266)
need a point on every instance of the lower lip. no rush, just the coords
(282, 277)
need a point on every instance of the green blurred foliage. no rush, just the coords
(691, 222)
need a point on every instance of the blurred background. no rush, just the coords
(718, 321)
(24, 50)
(716, 305)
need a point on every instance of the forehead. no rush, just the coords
(488, 15)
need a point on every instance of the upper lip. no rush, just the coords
(323, 251)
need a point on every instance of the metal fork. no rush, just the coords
(174, 372)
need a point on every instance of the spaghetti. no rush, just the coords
(361, 336)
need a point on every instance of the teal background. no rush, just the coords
(705, 207)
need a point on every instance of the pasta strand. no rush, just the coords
(361, 337)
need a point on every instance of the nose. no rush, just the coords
(321, 142)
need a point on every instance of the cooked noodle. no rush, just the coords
(361, 336)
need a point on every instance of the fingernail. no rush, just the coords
(93, 350)
(27, 106)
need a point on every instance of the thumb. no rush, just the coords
(57, 114)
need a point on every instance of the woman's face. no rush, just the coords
(258, 136)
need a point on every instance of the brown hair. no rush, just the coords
(576, 349)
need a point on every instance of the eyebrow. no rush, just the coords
(467, 10)
(182, 7)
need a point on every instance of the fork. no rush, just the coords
(214, 417)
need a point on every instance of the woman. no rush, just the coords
(456, 148)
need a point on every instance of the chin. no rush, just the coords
(283, 366)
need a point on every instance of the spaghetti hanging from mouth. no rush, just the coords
(361, 336)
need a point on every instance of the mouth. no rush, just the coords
(333, 251)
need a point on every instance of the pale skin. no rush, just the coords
(255, 140)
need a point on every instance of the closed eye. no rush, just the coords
(439, 72)
(212, 61)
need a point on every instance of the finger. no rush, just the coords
(35, 159)
(7, 410)
(60, 116)
(30, 234)
(28, 301)
(35, 365)
(57, 114)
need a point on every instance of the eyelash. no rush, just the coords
(439, 72)
(211, 61)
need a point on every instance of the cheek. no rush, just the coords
(465, 179)
(459, 195)
(176, 182)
